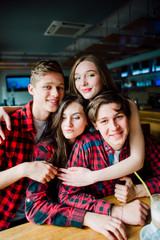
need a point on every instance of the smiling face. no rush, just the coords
(112, 125)
(47, 93)
(87, 80)
(73, 122)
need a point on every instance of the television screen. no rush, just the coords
(17, 83)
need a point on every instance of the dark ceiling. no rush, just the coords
(119, 29)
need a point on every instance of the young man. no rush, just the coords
(109, 112)
(47, 88)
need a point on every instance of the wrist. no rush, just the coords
(95, 176)
(86, 220)
(140, 191)
(117, 212)
(24, 170)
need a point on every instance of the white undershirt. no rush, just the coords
(116, 157)
(40, 126)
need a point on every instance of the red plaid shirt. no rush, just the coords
(41, 199)
(15, 150)
(92, 152)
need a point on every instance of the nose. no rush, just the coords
(68, 122)
(84, 80)
(113, 125)
(54, 92)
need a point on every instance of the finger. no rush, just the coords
(128, 182)
(52, 175)
(54, 171)
(120, 229)
(124, 200)
(51, 168)
(62, 176)
(121, 198)
(107, 234)
(123, 179)
(2, 134)
(145, 205)
(120, 188)
(73, 168)
(8, 122)
(67, 183)
(145, 211)
(64, 170)
(48, 178)
(114, 229)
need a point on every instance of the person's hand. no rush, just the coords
(133, 213)
(40, 171)
(76, 176)
(4, 117)
(125, 193)
(110, 227)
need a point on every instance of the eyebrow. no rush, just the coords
(59, 83)
(72, 113)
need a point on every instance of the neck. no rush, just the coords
(71, 141)
(39, 114)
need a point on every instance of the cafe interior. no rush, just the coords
(124, 33)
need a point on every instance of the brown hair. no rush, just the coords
(54, 133)
(102, 69)
(44, 67)
(106, 98)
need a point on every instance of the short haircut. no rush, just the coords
(106, 98)
(44, 67)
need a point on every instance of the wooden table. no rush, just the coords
(30, 231)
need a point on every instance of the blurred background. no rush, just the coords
(125, 34)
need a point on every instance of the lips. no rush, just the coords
(69, 130)
(116, 135)
(86, 90)
(53, 102)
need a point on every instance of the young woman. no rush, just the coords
(68, 124)
(90, 76)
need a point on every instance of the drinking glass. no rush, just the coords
(155, 215)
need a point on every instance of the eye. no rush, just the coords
(104, 121)
(119, 117)
(76, 117)
(91, 75)
(47, 87)
(63, 117)
(77, 78)
(60, 88)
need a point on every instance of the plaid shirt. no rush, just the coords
(42, 199)
(15, 150)
(92, 152)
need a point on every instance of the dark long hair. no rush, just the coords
(54, 134)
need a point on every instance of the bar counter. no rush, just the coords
(30, 231)
(153, 119)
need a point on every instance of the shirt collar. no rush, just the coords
(27, 119)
